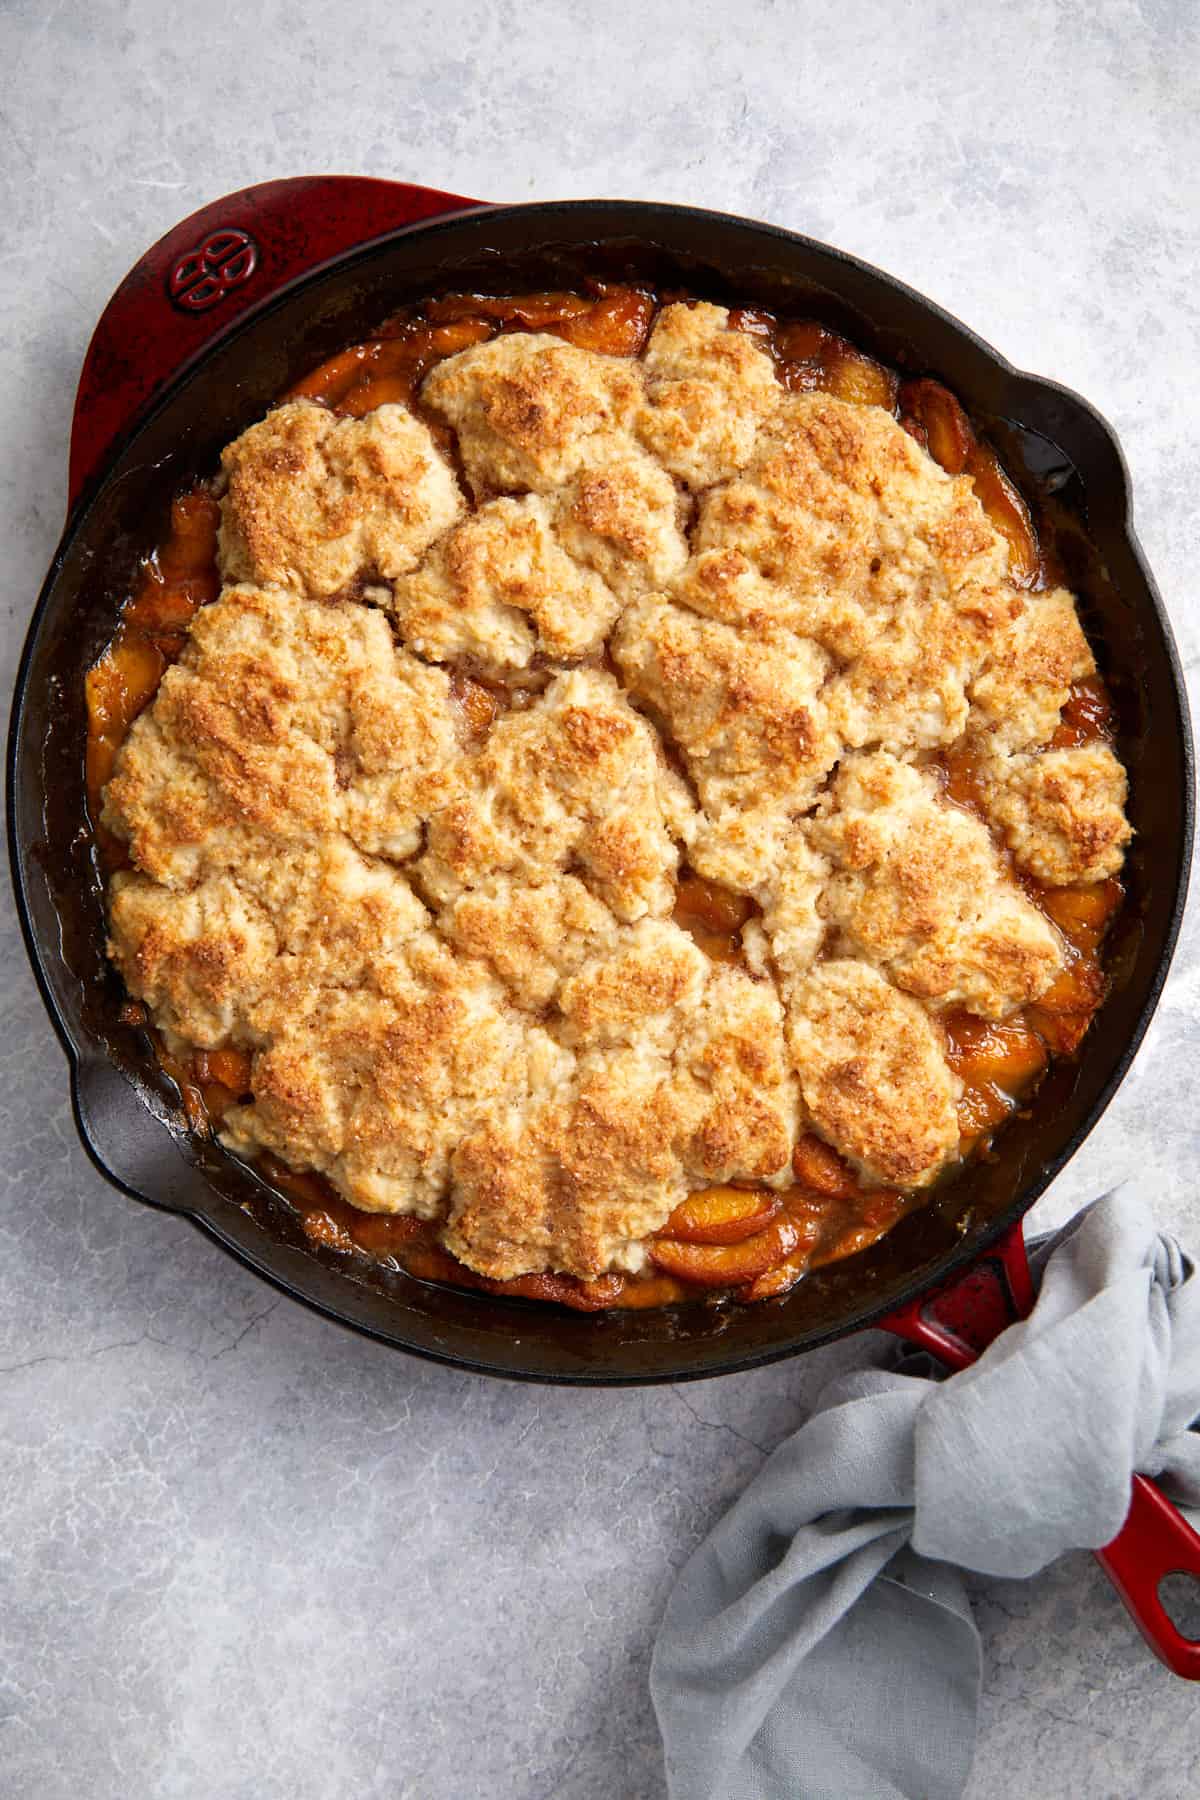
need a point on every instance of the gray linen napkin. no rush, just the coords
(819, 1645)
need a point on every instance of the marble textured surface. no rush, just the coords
(243, 1553)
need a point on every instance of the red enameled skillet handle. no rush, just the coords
(1155, 1541)
(209, 270)
(956, 1323)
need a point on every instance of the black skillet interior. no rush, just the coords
(1067, 462)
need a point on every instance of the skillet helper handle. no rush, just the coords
(956, 1323)
(1155, 1541)
(207, 272)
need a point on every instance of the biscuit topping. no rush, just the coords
(604, 777)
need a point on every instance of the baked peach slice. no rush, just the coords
(981, 1107)
(433, 341)
(429, 1262)
(1087, 717)
(383, 1234)
(121, 683)
(190, 1093)
(536, 312)
(161, 608)
(1083, 913)
(787, 1272)
(565, 1290)
(477, 706)
(1007, 513)
(385, 370)
(874, 1221)
(966, 778)
(379, 390)
(849, 375)
(392, 367)
(779, 1280)
(224, 1078)
(616, 324)
(996, 1061)
(712, 915)
(615, 321)
(721, 1215)
(331, 381)
(299, 1184)
(814, 358)
(1005, 1052)
(1064, 1012)
(717, 908)
(754, 321)
(728, 1265)
(322, 1228)
(650, 1291)
(818, 1168)
(930, 413)
(230, 1067)
(799, 350)
(182, 574)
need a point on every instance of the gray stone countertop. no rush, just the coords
(244, 1553)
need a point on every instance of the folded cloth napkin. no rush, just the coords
(819, 1645)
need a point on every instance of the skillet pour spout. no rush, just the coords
(231, 308)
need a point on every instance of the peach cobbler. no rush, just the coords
(603, 797)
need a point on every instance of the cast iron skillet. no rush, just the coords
(217, 291)
(214, 322)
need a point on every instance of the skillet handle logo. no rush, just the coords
(202, 277)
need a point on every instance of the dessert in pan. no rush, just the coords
(605, 798)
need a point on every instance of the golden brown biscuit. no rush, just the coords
(842, 531)
(838, 527)
(580, 1179)
(314, 915)
(196, 958)
(873, 1074)
(499, 590)
(374, 1086)
(284, 718)
(918, 889)
(635, 989)
(315, 502)
(528, 409)
(620, 515)
(1031, 662)
(769, 856)
(575, 781)
(1062, 812)
(733, 1055)
(532, 933)
(709, 388)
(575, 1182)
(747, 712)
